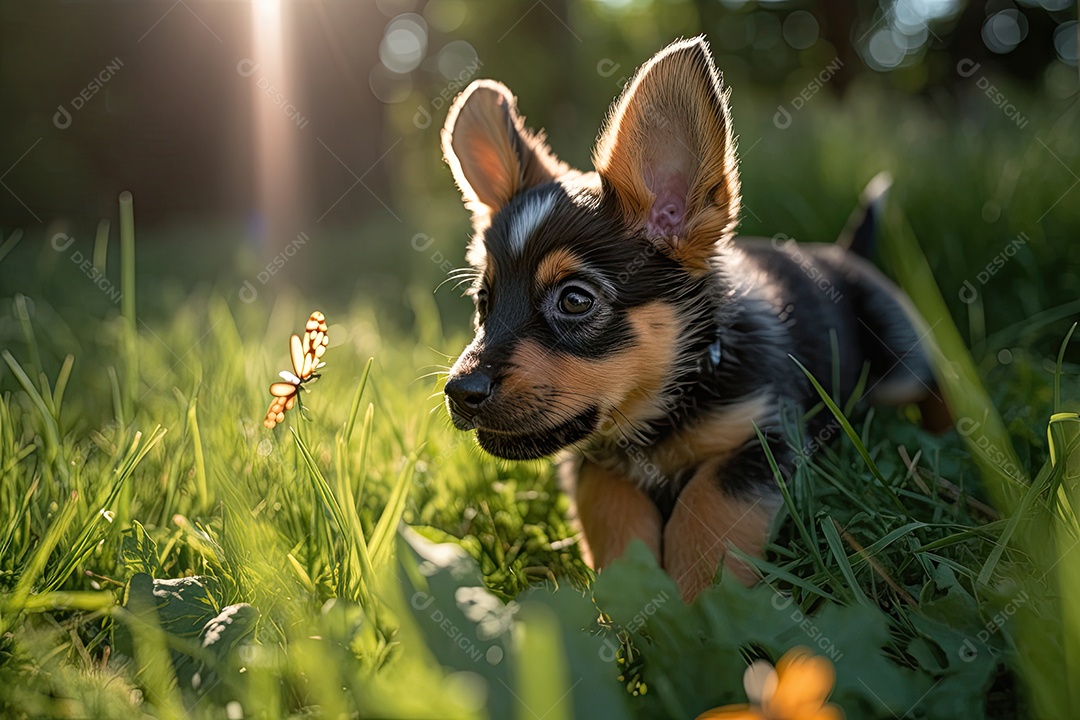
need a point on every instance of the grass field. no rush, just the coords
(163, 554)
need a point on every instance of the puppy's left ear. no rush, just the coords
(668, 155)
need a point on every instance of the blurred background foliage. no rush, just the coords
(971, 105)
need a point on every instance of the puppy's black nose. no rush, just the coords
(467, 392)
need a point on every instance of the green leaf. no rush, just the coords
(182, 606)
(466, 627)
(588, 657)
(229, 629)
(181, 614)
(693, 658)
(535, 655)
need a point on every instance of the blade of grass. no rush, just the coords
(989, 530)
(955, 371)
(1057, 367)
(85, 600)
(101, 246)
(836, 547)
(127, 307)
(542, 677)
(345, 483)
(326, 495)
(10, 243)
(382, 538)
(201, 488)
(153, 665)
(768, 569)
(52, 432)
(1019, 513)
(355, 408)
(877, 567)
(887, 540)
(365, 449)
(856, 440)
(23, 313)
(793, 509)
(61, 384)
(88, 538)
(20, 515)
(118, 402)
(13, 605)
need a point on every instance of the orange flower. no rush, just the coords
(796, 690)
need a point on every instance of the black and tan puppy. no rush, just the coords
(617, 317)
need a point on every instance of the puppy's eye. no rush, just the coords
(575, 300)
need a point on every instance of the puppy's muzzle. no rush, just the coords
(468, 392)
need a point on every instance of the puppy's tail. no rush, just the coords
(861, 232)
(898, 337)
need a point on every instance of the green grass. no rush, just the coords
(936, 572)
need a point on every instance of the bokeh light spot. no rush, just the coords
(446, 15)
(1004, 30)
(404, 43)
(884, 51)
(801, 30)
(1065, 42)
(457, 60)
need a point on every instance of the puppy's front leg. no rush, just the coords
(613, 511)
(724, 503)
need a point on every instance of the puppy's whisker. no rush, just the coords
(448, 356)
(445, 280)
(435, 366)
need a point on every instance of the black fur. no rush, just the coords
(764, 301)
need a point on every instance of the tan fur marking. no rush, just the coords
(556, 265)
(613, 512)
(716, 436)
(702, 526)
(628, 381)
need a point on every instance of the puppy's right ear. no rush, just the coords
(490, 151)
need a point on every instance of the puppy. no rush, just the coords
(618, 318)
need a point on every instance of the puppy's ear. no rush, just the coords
(668, 155)
(490, 151)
